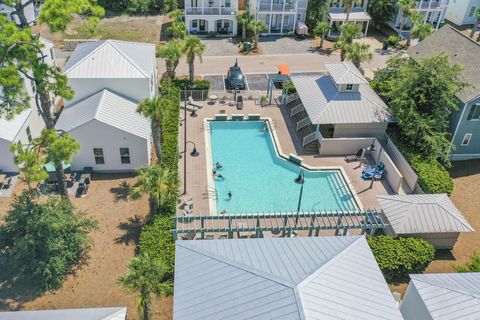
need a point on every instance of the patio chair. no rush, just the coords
(209, 237)
(222, 237)
(6, 183)
(194, 103)
(187, 212)
(188, 204)
(354, 157)
(239, 103)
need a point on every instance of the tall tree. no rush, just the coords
(476, 24)
(152, 109)
(322, 29)
(244, 19)
(193, 47)
(171, 52)
(178, 30)
(422, 30)
(316, 11)
(348, 5)
(381, 11)
(358, 53)
(257, 27)
(146, 277)
(21, 58)
(159, 183)
(407, 8)
(350, 31)
(42, 241)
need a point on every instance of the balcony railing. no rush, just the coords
(433, 5)
(211, 11)
(263, 6)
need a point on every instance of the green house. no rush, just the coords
(464, 123)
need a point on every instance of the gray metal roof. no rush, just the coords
(108, 107)
(449, 296)
(345, 73)
(460, 49)
(423, 213)
(114, 313)
(326, 105)
(111, 59)
(281, 278)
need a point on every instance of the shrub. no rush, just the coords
(472, 266)
(397, 258)
(290, 87)
(199, 84)
(432, 176)
(393, 40)
(156, 240)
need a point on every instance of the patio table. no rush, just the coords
(213, 98)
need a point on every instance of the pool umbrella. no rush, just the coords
(283, 69)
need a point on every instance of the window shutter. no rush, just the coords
(470, 113)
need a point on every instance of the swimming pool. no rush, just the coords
(262, 182)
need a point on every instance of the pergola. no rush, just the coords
(285, 223)
(355, 17)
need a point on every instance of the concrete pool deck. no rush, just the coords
(197, 173)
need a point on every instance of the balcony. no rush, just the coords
(267, 6)
(431, 4)
(210, 11)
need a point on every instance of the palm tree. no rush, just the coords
(171, 52)
(257, 27)
(244, 19)
(348, 4)
(476, 24)
(350, 31)
(422, 30)
(152, 108)
(146, 276)
(178, 29)
(176, 15)
(160, 183)
(322, 29)
(342, 45)
(358, 53)
(407, 7)
(192, 47)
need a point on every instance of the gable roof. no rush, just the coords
(449, 296)
(460, 49)
(281, 278)
(326, 105)
(345, 73)
(111, 59)
(423, 213)
(108, 107)
(9, 128)
(114, 313)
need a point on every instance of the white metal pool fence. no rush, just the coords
(226, 95)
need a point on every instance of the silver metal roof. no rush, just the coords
(354, 16)
(111, 59)
(449, 296)
(423, 213)
(114, 313)
(108, 107)
(281, 278)
(326, 105)
(345, 73)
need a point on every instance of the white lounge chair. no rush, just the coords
(194, 103)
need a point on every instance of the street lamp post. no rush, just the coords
(185, 134)
(372, 148)
(194, 152)
(299, 180)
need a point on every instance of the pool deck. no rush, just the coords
(196, 166)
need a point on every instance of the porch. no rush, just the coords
(336, 19)
(205, 25)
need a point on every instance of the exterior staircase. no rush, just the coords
(305, 129)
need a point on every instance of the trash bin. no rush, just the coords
(385, 45)
(246, 46)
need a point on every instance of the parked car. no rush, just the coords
(235, 78)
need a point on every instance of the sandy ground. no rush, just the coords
(95, 283)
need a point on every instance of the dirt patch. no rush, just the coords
(95, 283)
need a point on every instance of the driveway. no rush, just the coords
(285, 45)
(220, 46)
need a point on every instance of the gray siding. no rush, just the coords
(439, 240)
(357, 130)
(467, 126)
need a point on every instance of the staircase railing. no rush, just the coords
(310, 137)
(292, 97)
(303, 123)
(297, 109)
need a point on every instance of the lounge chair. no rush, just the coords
(209, 237)
(239, 103)
(222, 237)
(194, 103)
(187, 212)
(354, 157)
(6, 183)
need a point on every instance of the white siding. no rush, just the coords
(95, 134)
(412, 307)
(458, 11)
(6, 157)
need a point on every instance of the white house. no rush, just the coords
(281, 16)
(280, 278)
(126, 67)
(113, 136)
(337, 16)
(113, 313)
(110, 78)
(462, 12)
(26, 125)
(11, 14)
(442, 296)
(217, 16)
(432, 11)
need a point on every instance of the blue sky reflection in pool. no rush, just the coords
(260, 181)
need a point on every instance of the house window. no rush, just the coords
(98, 154)
(349, 87)
(472, 11)
(194, 23)
(29, 135)
(125, 155)
(299, 16)
(466, 139)
(227, 4)
(476, 112)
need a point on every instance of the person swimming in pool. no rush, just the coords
(218, 166)
(216, 175)
(265, 128)
(229, 194)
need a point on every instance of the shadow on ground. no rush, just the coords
(131, 230)
(121, 192)
(464, 168)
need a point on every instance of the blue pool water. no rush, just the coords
(260, 181)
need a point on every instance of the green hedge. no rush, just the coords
(397, 258)
(199, 84)
(432, 176)
(156, 239)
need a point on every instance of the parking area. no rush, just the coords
(254, 82)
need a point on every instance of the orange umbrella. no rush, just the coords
(283, 69)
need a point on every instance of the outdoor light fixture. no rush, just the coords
(194, 152)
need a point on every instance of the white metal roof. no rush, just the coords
(114, 313)
(9, 128)
(111, 59)
(281, 278)
(423, 213)
(108, 107)
(354, 16)
(345, 73)
(449, 296)
(326, 105)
